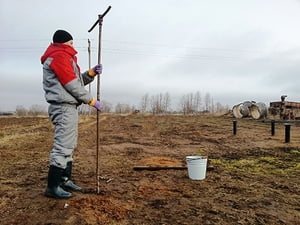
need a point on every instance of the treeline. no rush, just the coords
(34, 110)
(192, 103)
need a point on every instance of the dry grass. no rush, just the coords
(254, 177)
(266, 165)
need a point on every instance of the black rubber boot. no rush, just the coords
(54, 181)
(67, 181)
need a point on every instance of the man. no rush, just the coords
(63, 84)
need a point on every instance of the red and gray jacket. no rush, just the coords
(62, 81)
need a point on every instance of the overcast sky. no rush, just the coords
(235, 50)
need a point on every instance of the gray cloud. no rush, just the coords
(234, 50)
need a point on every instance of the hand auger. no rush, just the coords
(99, 21)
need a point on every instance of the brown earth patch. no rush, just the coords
(254, 177)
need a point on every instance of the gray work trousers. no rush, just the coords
(65, 120)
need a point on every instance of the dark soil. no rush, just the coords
(252, 177)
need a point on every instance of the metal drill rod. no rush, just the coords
(99, 21)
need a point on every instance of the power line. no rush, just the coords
(135, 43)
(182, 47)
(196, 53)
(135, 52)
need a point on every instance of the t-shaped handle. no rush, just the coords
(100, 18)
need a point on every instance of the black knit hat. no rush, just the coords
(61, 36)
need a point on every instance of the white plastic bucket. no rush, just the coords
(196, 167)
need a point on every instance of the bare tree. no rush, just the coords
(144, 103)
(36, 110)
(160, 103)
(118, 108)
(186, 103)
(21, 110)
(189, 103)
(183, 105)
(154, 104)
(207, 101)
(197, 102)
(122, 108)
(160, 106)
(166, 102)
(106, 107)
(212, 108)
(219, 107)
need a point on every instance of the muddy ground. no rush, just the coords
(252, 177)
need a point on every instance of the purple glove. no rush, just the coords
(98, 69)
(98, 105)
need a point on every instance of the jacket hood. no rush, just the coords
(54, 48)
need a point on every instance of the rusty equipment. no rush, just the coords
(99, 21)
(285, 110)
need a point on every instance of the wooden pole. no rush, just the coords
(89, 61)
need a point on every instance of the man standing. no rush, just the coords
(63, 84)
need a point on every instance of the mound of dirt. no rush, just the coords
(160, 162)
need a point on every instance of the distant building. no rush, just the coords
(7, 113)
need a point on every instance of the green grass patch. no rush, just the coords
(295, 152)
(259, 166)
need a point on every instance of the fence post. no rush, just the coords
(287, 132)
(234, 127)
(272, 127)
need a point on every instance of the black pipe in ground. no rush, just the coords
(287, 132)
